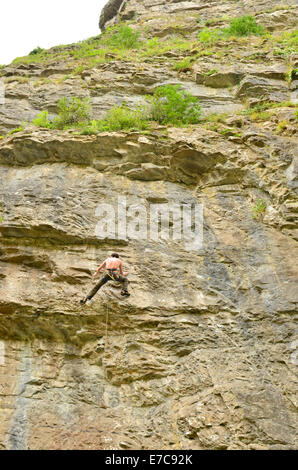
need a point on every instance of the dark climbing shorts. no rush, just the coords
(109, 276)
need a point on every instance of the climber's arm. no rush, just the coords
(121, 270)
(99, 268)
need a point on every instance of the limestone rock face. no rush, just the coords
(203, 354)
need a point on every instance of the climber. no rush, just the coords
(114, 272)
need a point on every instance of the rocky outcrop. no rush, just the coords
(110, 11)
(203, 354)
(167, 16)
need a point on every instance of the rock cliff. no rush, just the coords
(203, 353)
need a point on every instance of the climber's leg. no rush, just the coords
(103, 280)
(124, 282)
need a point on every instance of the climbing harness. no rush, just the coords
(115, 277)
(113, 274)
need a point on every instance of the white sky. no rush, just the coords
(26, 24)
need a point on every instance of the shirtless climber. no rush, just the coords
(113, 272)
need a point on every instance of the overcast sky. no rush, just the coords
(26, 24)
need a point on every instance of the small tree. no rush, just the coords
(36, 51)
(72, 111)
(171, 104)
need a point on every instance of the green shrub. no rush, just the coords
(122, 118)
(258, 210)
(72, 112)
(90, 129)
(153, 43)
(116, 119)
(123, 38)
(171, 104)
(76, 113)
(244, 26)
(36, 51)
(42, 120)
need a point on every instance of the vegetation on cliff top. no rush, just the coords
(168, 105)
(123, 42)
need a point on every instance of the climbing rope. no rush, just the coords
(103, 405)
(107, 319)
